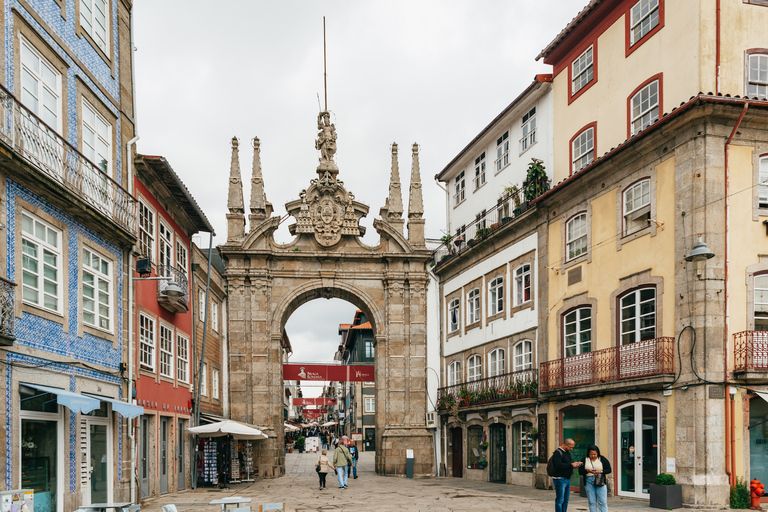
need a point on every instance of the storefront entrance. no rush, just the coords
(97, 486)
(637, 448)
(164, 427)
(144, 457)
(579, 425)
(180, 455)
(457, 442)
(498, 460)
(370, 439)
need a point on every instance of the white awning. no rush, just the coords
(228, 427)
(124, 408)
(74, 401)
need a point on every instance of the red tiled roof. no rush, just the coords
(344, 326)
(366, 325)
(569, 28)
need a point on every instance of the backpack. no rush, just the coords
(551, 464)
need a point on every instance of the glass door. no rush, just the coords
(99, 457)
(638, 448)
(579, 425)
(164, 455)
(180, 455)
(144, 458)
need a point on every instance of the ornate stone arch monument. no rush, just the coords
(268, 281)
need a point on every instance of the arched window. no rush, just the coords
(762, 195)
(645, 106)
(474, 451)
(454, 373)
(453, 315)
(637, 206)
(496, 363)
(577, 330)
(474, 368)
(523, 355)
(761, 302)
(638, 315)
(523, 446)
(576, 236)
(473, 306)
(583, 149)
(496, 296)
(522, 284)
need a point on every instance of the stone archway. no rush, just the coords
(268, 281)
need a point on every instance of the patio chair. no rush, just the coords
(132, 508)
(272, 506)
(240, 509)
(169, 508)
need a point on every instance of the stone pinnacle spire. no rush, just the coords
(235, 217)
(395, 202)
(260, 207)
(415, 202)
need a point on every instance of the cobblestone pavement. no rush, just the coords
(299, 490)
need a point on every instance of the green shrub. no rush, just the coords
(299, 444)
(665, 479)
(740, 495)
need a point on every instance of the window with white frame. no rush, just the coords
(370, 404)
(201, 304)
(638, 316)
(480, 171)
(757, 81)
(582, 71)
(41, 263)
(454, 373)
(97, 290)
(502, 151)
(473, 306)
(577, 331)
(528, 123)
(480, 220)
(146, 230)
(94, 19)
(204, 380)
(761, 302)
(182, 358)
(97, 138)
(496, 296)
(522, 284)
(523, 355)
(576, 236)
(645, 107)
(496, 363)
(215, 384)
(453, 315)
(166, 351)
(40, 86)
(583, 149)
(763, 185)
(165, 247)
(368, 349)
(459, 185)
(643, 18)
(637, 206)
(474, 368)
(215, 316)
(146, 342)
(181, 257)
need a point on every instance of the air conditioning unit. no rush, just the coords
(432, 419)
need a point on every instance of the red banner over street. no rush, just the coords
(314, 401)
(311, 414)
(328, 372)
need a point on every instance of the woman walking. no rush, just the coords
(322, 465)
(594, 467)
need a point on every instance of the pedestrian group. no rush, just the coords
(345, 456)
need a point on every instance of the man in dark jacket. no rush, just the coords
(564, 465)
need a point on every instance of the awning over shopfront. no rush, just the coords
(74, 401)
(290, 428)
(236, 429)
(130, 411)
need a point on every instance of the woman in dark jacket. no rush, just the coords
(595, 464)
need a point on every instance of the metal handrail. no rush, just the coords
(750, 350)
(508, 386)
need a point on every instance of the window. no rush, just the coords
(97, 291)
(761, 302)
(181, 257)
(473, 306)
(480, 220)
(204, 380)
(576, 236)
(165, 247)
(763, 186)
(201, 304)
(523, 355)
(522, 284)
(496, 296)
(40, 86)
(637, 207)
(496, 364)
(582, 71)
(480, 171)
(182, 358)
(146, 342)
(370, 404)
(474, 452)
(369, 349)
(97, 138)
(454, 373)
(644, 17)
(474, 368)
(166, 351)
(502, 151)
(215, 316)
(529, 130)
(215, 384)
(40, 263)
(757, 81)
(645, 107)
(146, 231)
(523, 446)
(94, 20)
(453, 315)
(458, 197)
(583, 149)
(577, 326)
(638, 316)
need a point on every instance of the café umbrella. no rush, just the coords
(237, 430)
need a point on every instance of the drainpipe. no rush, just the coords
(730, 433)
(447, 206)
(717, 47)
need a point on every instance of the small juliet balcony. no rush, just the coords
(508, 387)
(751, 355)
(173, 293)
(647, 364)
(7, 312)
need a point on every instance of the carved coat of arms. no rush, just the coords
(327, 217)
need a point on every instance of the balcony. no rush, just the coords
(751, 355)
(508, 387)
(635, 366)
(7, 312)
(57, 164)
(168, 299)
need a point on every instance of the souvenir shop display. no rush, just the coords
(210, 467)
(247, 466)
(234, 477)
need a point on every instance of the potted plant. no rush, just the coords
(482, 463)
(533, 433)
(484, 445)
(665, 492)
(513, 191)
(533, 459)
(536, 181)
(299, 444)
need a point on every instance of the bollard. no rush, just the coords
(409, 463)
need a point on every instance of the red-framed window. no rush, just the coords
(582, 71)
(642, 20)
(583, 147)
(756, 73)
(645, 104)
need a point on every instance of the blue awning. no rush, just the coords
(75, 401)
(124, 408)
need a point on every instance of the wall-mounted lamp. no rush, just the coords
(173, 291)
(699, 254)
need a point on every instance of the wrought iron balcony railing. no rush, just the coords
(174, 275)
(750, 351)
(500, 388)
(47, 151)
(634, 361)
(7, 311)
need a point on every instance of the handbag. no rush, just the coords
(317, 468)
(599, 480)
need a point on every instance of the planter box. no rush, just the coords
(666, 496)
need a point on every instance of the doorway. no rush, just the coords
(498, 460)
(144, 458)
(98, 456)
(180, 455)
(578, 424)
(164, 422)
(638, 448)
(457, 442)
(370, 439)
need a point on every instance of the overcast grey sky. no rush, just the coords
(431, 72)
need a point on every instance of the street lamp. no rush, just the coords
(699, 254)
(173, 291)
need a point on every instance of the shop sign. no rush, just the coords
(328, 372)
(357, 436)
(312, 401)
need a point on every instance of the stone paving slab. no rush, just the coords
(370, 492)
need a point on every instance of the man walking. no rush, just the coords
(563, 464)
(342, 461)
(353, 453)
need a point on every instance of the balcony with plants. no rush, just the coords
(508, 387)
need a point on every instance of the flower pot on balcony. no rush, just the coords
(471, 242)
(482, 464)
(504, 220)
(666, 496)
